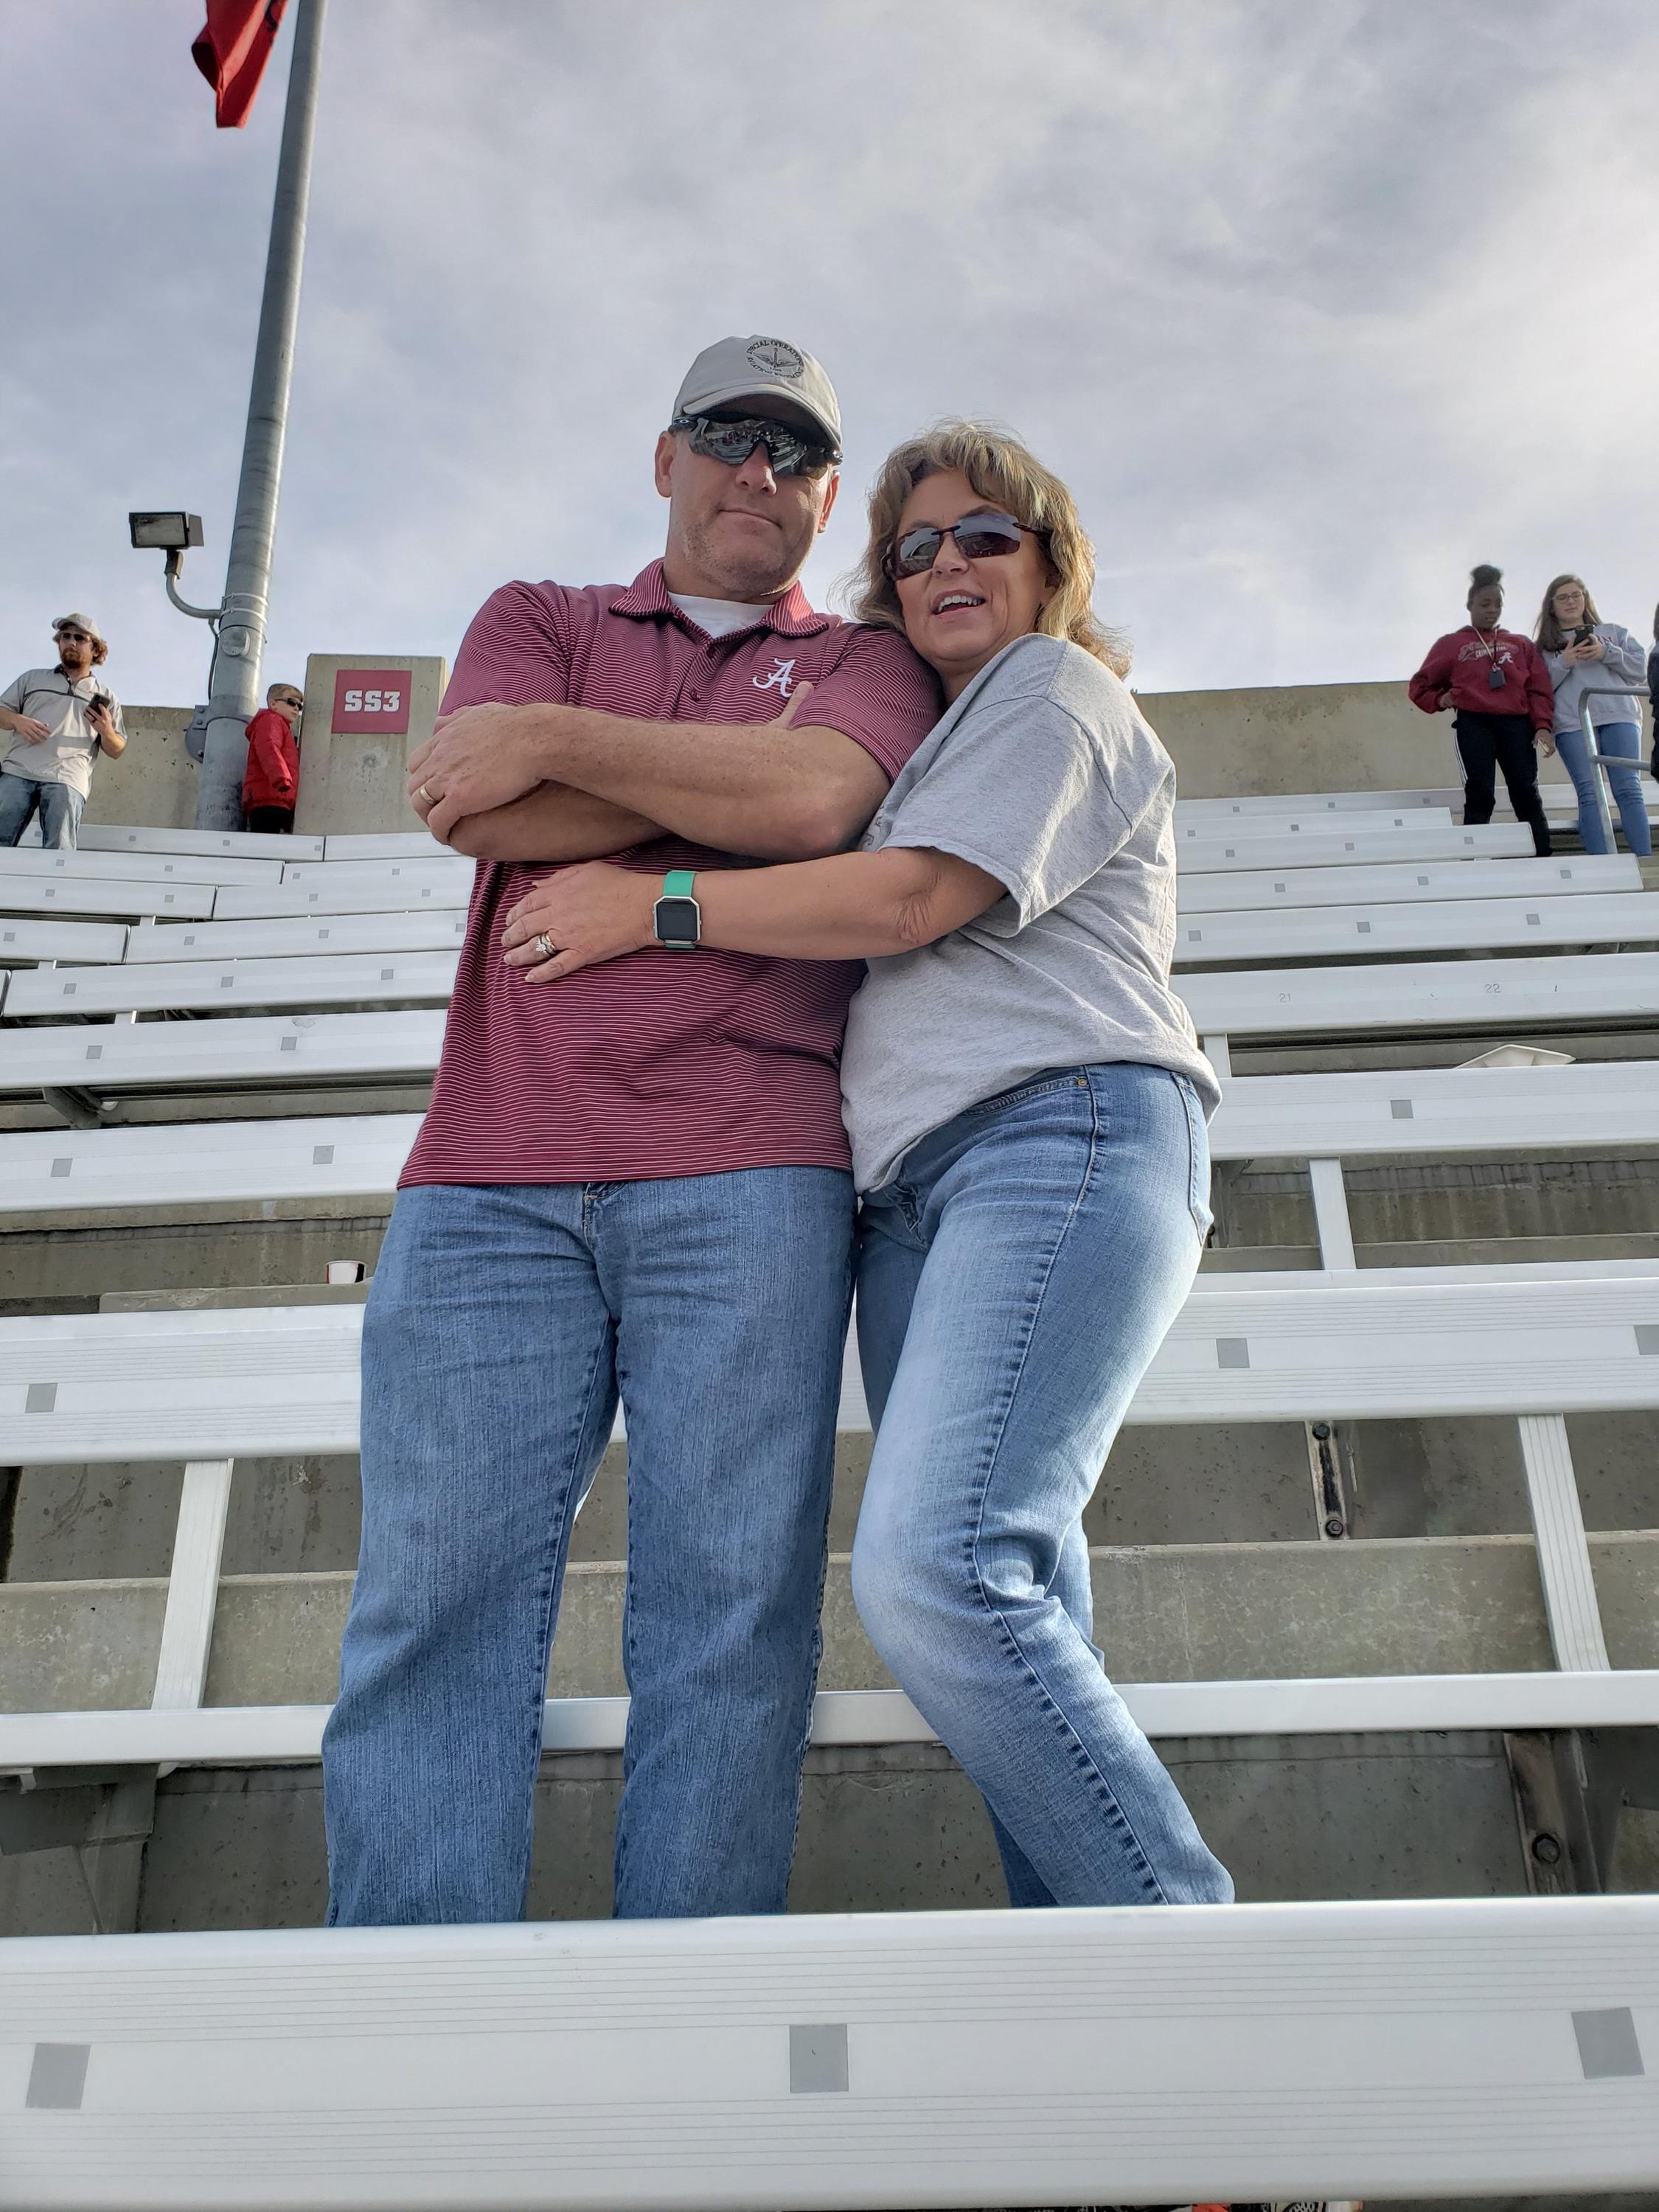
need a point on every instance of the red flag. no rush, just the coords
(231, 50)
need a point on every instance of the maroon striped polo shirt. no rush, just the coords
(660, 1063)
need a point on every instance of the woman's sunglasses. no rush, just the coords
(978, 538)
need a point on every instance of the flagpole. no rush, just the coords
(233, 685)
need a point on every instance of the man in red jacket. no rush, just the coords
(272, 783)
(1496, 684)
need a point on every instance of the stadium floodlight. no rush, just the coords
(171, 532)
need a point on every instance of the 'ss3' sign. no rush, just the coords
(371, 702)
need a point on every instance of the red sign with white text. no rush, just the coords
(371, 701)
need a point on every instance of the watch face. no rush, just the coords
(678, 921)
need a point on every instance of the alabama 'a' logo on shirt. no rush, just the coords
(780, 679)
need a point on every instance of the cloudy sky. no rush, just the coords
(1314, 303)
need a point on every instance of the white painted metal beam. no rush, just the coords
(282, 1735)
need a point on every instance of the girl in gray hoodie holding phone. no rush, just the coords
(1583, 652)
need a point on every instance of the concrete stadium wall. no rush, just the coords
(1225, 744)
(153, 785)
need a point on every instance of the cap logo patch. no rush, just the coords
(776, 358)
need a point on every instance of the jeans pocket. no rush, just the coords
(1035, 1086)
(1198, 1158)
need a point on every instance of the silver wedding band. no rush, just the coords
(546, 946)
(422, 792)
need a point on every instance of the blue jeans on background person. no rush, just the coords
(1623, 738)
(499, 1324)
(1015, 1280)
(59, 806)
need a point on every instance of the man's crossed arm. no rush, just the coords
(557, 783)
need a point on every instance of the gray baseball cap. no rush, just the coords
(80, 622)
(762, 368)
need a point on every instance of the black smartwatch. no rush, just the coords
(676, 918)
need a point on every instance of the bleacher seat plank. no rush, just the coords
(1565, 992)
(1402, 929)
(433, 867)
(221, 1384)
(1444, 1113)
(1568, 991)
(1291, 822)
(1335, 847)
(810, 2061)
(233, 844)
(100, 895)
(147, 1055)
(207, 986)
(1298, 804)
(24, 943)
(419, 930)
(382, 845)
(1263, 890)
(135, 867)
(374, 890)
(345, 1155)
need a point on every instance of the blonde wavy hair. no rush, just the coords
(1002, 470)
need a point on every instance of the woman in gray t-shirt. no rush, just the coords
(1026, 1102)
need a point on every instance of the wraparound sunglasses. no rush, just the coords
(978, 538)
(790, 453)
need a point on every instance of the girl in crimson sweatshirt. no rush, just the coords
(1498, 689)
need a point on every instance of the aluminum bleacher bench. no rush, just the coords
(218, 986)
(342, 889)
(427, 867)
(102, 895)
(1295, 822)
(169, 1055)
(233, 844)
(136, 867)
(1567, 992)
(1441, 1113)
(1298, 805)
(382, 845)
(1261, 891)
(374, 890)
(1204, 941)
(421, 929)
(1327, 846)
(22, 944)
(206, 1387)
(813, 2061)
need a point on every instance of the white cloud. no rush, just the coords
(1313, 305)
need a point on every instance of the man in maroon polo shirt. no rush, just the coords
(632, 1180)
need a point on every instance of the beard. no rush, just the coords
(747, 571)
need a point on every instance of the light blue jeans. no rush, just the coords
(1014, 1283)
(59, 806)
(500, 1324)
(1626, 784)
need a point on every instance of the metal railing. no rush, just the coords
(1599, 761)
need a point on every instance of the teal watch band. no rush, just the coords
(676, 917)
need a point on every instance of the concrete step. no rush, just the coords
(1174, 1613)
